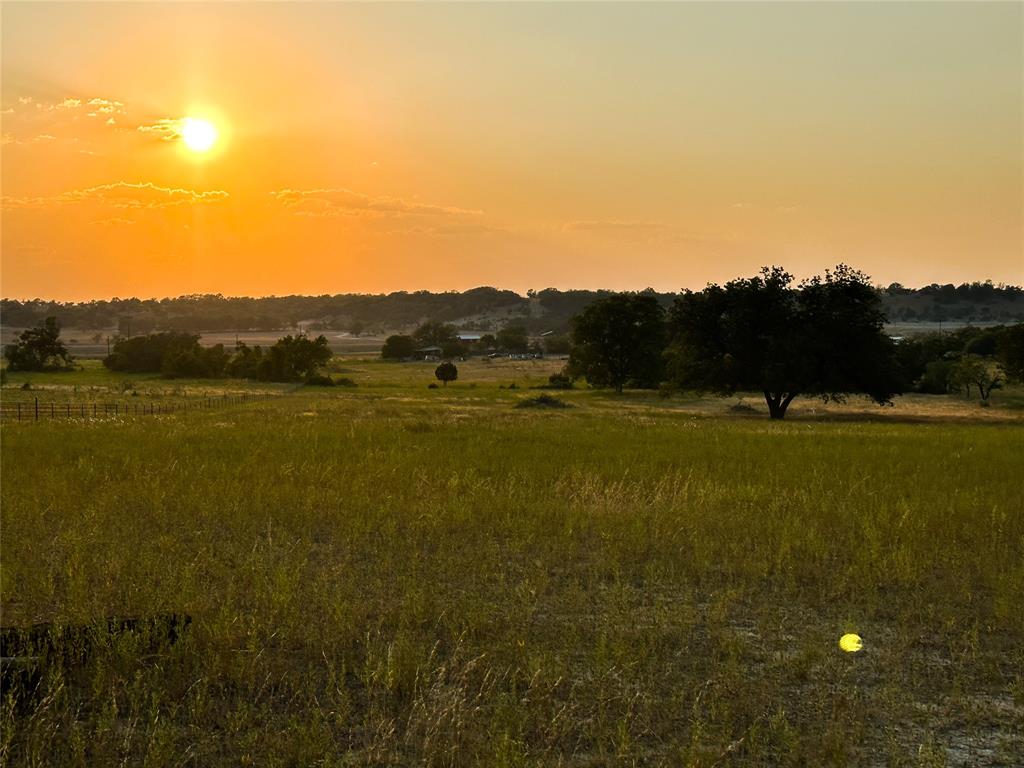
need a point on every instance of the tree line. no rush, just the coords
(548, 309)
(178, 355)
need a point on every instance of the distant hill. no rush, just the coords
(482, 308)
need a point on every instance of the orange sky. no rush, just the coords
(371, 148)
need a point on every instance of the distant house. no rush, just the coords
(470, 337)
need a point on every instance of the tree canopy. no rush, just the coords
(39, 349)
(398, 347)
(179, 355)
(824, 338)
(446, 372)
(618, 340)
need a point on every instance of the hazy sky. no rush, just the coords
(372, 147)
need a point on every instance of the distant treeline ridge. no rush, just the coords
(482, 308)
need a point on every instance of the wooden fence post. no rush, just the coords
(37, 409)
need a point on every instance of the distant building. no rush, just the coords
(469, 336)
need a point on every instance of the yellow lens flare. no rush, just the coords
(198, 135)
(851, 643)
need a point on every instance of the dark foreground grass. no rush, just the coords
(443, 579)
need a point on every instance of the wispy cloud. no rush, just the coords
(345, 202)
(165, 129)
(72, 119)
(122, 195)
(105, 107)
(464, 229)
(611, 224)
(114, 221)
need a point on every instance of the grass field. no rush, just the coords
(396, 575)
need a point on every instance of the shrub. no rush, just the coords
(560, 380)
(432, 385)
(319, 380)
(543, 401)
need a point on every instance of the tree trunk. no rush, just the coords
(778, 403)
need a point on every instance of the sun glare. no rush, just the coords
(198, 135)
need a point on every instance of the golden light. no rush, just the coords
(851, 643)
(198, 135)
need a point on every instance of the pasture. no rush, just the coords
(396, 575)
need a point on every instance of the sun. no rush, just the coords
(198, 135)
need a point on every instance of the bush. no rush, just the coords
(195, 363)
(937, 378)
(432, 385)
(561, 380)
(543, 401)
(345, 382)
(319, 380)
(742, 407)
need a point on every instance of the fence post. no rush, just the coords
(37, 409)
(52, 409)
(115, 409)
(69, 410)
(19, 411)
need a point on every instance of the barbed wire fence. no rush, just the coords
(36, 410)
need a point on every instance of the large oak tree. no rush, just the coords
(823, 338)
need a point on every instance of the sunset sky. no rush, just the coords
(382, 147)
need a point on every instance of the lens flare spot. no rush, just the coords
(851, 643)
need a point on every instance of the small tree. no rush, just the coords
(618, 340)
(398, 348)
(434, 334)
(446, 372)
(39, 349)
(513, 338)
(973, 370)
(293, 358)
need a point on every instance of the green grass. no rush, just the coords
(403, 576)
